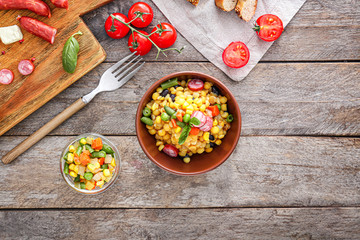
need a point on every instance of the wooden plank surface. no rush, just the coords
(322, 30)
(251, 223)
(28, 93)
(275, 99)
(262, 171)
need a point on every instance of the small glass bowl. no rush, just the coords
(68, 179)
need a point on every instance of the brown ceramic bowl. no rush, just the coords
(200, 163)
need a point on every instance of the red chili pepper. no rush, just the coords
(214, 110)
(179, 116)
(173, 121)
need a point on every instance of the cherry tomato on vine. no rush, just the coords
(118, 30)
(139, 43)
(269, 27)
(145, 13)
(236, 55)
(165, 35)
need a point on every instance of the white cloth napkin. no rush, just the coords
(210, 30)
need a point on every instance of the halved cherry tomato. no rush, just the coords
(173, 121)
(196, 85)
(194, 131)
(119, 30)
(170, 150)
(236, 55)
(97, 144)
(165, 35)
(101, 160)
(139, 43)
(84, 159)
(145, 12)
(269, 27)
(214, 110)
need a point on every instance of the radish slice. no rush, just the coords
(26, 67)
(6, 76)
(199, 115)
(208, 125)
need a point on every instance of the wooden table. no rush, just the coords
(294, 175)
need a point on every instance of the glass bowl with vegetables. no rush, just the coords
(90, 163)
(188, 123)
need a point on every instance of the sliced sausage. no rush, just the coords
(37, 6)
(201, 116)
(26, 67)
(196, 85)
(170, 150)
(208, 125)
(61, 3)
(6, 76)
(38, 28)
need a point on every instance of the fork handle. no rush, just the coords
(43, 131)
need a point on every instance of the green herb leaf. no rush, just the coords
(180, 124)
(184, 134)
(70, 52)
(194, 121)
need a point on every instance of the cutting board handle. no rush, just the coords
(43, 131)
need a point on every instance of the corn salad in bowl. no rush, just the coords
(90, 163)
(187, 117)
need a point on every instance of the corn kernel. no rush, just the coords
(152, 131)
(161, 132)
(161, 147)
(200, 151)
(215, 123)
(186, 160)
(166, 137)
(208, 150)
(172, 105)
(202, 108)
(218, 142)
(154, 106)
(71, 166)
(223, 99)
(183, 83)
(89, 140)
(166, 127)
(81, 177)
(179, 89)
(185, 105)
(100, 184)
(158, 143)
(214, 130)
(159, 89)
(192, 149)
(182, 153)
(203, 93)
(221, 136)
(89, 185)
(71, 148)
(189, 112)
(91, 167)
(106, 172)
(207, 85)
(149, 127)
(83, 141)
(179, 93)
(190, 154)
(97, 165)
(155, 95)
(178, 129)
(206, 136)
(224, 107)
(225, 115)
(179, 100)
(73, 174)
(113, 162)
(158, 119)
(198, 101)
(76, 169)
(70, 157)
(221, 124)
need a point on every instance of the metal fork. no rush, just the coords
(112, 79)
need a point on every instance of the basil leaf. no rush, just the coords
(180, 124)
(194, 121)
(70, 52)
(184, 134)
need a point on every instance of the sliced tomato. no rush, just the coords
(194, 131)
(145, 13)
(236, 55)
(170, 150)
(196, 85)
(165, 35)
(117, 30)
(214, 110)
(269, 27)
(139, 43)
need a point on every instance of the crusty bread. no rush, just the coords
(226, 5)
(246, 9)
(194, 2)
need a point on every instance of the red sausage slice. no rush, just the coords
(38, 28)
(37, 6)
(26, 67)
(61, 3)
(171, 150)
(208, 125)
(6, 76)
(196, 85)
(199, 115)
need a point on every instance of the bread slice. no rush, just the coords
(194, 2)
(246, 9)
(226, 5)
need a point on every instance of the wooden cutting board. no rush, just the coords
(26, 94)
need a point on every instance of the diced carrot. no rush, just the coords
(179, 116)
(101, 161)
(97, 144)
(86, 152)
(194, 131)
(214, 110)
(173, 121)
(76, 158)
(94, 185)
(84, 159)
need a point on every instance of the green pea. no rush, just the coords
(89, 148)
(165, 117)
(104, 166)
(88, 176)
(99, 154)
(77, 179)
(107, 149)
(66, 168)
(230, 118)
(147, 121)
(82, 185)
(186, 118)
(147, 112)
